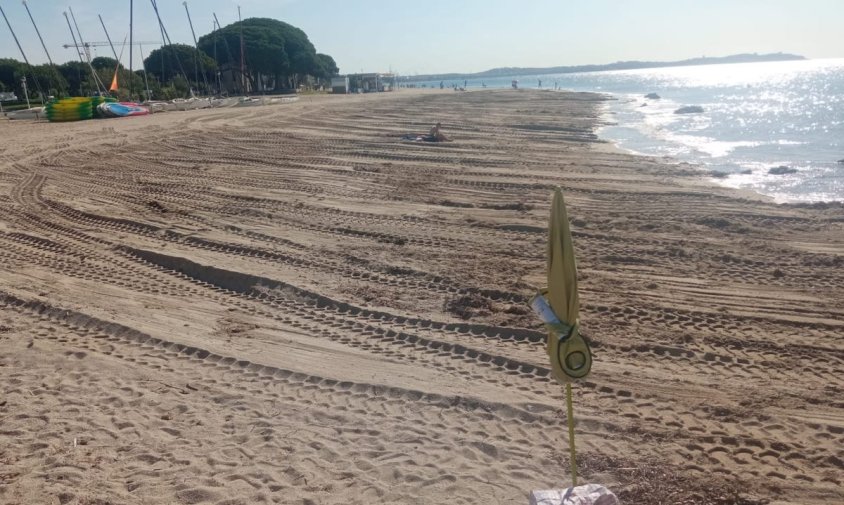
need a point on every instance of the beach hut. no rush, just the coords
(5, 96)
(372, 82)
(231, 81)
(340, 85)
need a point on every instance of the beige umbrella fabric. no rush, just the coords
(568, 351)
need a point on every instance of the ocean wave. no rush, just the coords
(748, 126)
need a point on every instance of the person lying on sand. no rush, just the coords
(434, 135)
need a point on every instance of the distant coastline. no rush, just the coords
(620, 65)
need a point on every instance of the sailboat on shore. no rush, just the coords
(29, 112)
(102, 105)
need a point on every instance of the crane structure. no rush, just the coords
(86, 46)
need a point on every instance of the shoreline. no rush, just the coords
(672, 161)
(185, 297)
(718, 178)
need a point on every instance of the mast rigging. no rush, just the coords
(101, 88)
(108, 37)
(168, 42)
(228, 49)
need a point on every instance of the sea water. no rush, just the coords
(757, 116)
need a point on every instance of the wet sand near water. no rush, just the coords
(289, 304)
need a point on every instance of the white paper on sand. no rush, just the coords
(590, 494)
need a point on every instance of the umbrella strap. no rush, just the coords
(563, 330)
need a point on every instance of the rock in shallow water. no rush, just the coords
(689, 109)
(782, 170)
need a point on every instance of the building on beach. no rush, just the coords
(231, 81)
(372, 82)
(340, 85)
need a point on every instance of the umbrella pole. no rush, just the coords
(572, 451)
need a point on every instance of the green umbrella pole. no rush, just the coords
(572, 451)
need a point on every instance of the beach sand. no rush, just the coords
(289, 304)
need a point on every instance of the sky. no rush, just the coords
(439, 36)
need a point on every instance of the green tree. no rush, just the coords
(50, 80)
(171, 61)
(101, 62)
(41, 78)
(275, 52)
(11, 71)
(328, 68)
(74, 74)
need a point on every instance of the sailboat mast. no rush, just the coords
(13, 35)
(100, 86)
(75, 43)
(81, 42)
(38, 33)
(24, 58)
(144, 66)
(196, 47)
(217, 72)
(168, 42)
(228, 49)
(163, 42)
(242, 62)
(131, 51)
(108, 38)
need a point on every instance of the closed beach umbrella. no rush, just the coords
(569, 353)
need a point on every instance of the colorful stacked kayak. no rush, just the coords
(121, 109)
(75, 108)
(70, 109)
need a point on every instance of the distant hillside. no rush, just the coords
(621, 65)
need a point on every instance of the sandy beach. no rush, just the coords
(290, 304)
